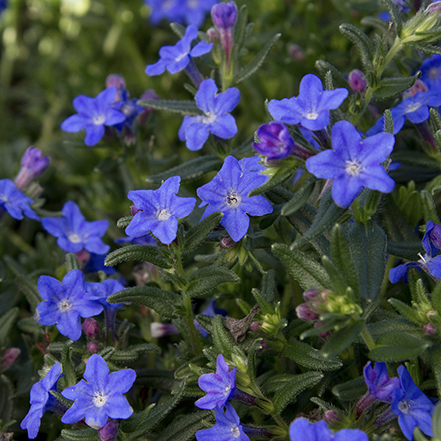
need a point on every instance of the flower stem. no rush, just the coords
(367, 337)
(189, 320)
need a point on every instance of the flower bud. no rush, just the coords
(91, 328)
(109, 431)
(10, 356)
(357, 81)
(434, 8)
(275, 141)
(296, 52)
(304, 312)
(429, 329)
(311, 294)
(255, 327)
(331, 417)
(226, 242)
(32, 166)
(93, 347)
(115, 80)
(212, 35)
(147, 95)
(158, 330)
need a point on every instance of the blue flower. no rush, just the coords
(227, 427)
(159, 211)
(93, 114)
(432, 265)
(96, 263)
(41, 400)
(64, 304)
(228, 192)
(412, 406)
(275, 141)
(141, 240)
(431, 72)
(414, 108)
(14, 201)
(311, 108)
(102, 290)
(220, 386)
(195, 129)
(195, 11)
(379, 384)
(33, 164)
(302, 429)
(101, 396)
(353, 163)
(175, 58)
(74, 233)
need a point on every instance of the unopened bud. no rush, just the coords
(304, 312)
(224, 17)
(434, 8)
(10, 356)
(109, 431)
(255, 327)
(429, 329)
(33, 164)
(296, 52)
(91, 328)
(118, 81)
(212, 35)
(311, 294)
(331, 417)
(158, 330)
(134, 210)
(226, 242)
(357, 81)
(93, 347)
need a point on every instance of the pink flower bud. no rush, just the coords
(212, 35)
(331, 417)
(429, 329)
(115, 80)
(226, 242)
(255, 327)
(419, 86)
(109, 431)
(304, 312)
(33, 164)
(93, 347)
(296, 52)
(91, 328)
(357, 81)
(10, 356)
(311, 294)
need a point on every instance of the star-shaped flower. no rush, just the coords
(228, 192)
(103, 290)
(195, 129)
(378, 382)
(175, 58)
(311, 108)
(41, 400)
(431, 72)
(220, 386)
(353, 163)
(101, 396)
(159, 211)
(74, 233)
(93, 114)
(14, 201)
(64, 304)
(412, 406)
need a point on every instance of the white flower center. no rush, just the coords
(64, 305)
(404, 406)
(434, 72)
(99, 120)
(99, 399)
(74, 238)
(227, 388)
(312, 115)
(209, 118)
(233, 199)
(412, 107)
(353, 168)
(180, 57)
(163, 214)
(235, 432)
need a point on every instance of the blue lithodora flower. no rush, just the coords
(432, 265)
(159, 211)
(227, 427)
(101, 396)
(228, 192)
(431, 72)
(353, 163)
(275, 141)
(102, 290)
(176, 58)
(64, 304)
(74, 233)
(220, 386)
(195, 129)
(311, 108)
(380, 386)
(33, 164)
(412, 406)
(93, 114)
(42, 400)
(14, 201)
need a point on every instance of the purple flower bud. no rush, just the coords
(331, 417)
(296, 52)
(304, 312)
(91, 328)
(357, 81)
(212, 35)
(93, 347)
(226, 242)
(311, 294)
(109, 431)
(429, 329)
(434, 8)
(275, 141)
(255, 327)
(158, 330)
(224, 16)
(147, 95)
(419, 86)
(10, 356)
(32, 166)
(115, 80)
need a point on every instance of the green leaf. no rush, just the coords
(157, 379)
(436, 423)
(6, 398)
(292, 388)
(363, 43)
(425, 47)
(144, 253)
(398, 346)
(29, 288)
(308, 357)
(7, 321)
(80, 435)
(391, 87)
(302, 267)
(335, 276)
(163, 302)
(395, 15)
(199, 232)
(184, 427)
(124, 222)
(183, 107)
(342, 258)
(222, 340)
(281, 175)
(429, 208)
(71, 262)
(436, 298)
(205, 280)
(260, 58)
(435, 364)
(68, 369)
(252, 364)
(388, 122)
(368, 247)
(269, 286)
(351, 390)
(327, 215)
(301, 196)
(265, 307)
(239, 30)
(405, 310)
(405, 250)
(342, 339)
(188, 171)
(337, 77)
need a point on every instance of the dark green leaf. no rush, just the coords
(405, 310)
(6, 401)
(425, 47)
(66, 361)
(388, 122)
(436, 423)
(342, 339)
(281, 175)
(363, 43)
(301, 196)
(7, 321)
(144, 253)
(157, 379)
(335, 276)
(29, 288)
(199, 232)
(429, 208)
(338, 78)
(205, 280)
(391, 87)
(436, 298)
(394, 15)
(269, 286)
(183, 107)
(222, 339)
(405, 250)
(351, 390)
(124, 222)
(265, 307)
(80, 435)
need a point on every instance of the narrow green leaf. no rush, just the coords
(278, 178)
(260, 58)
(405, 310)
(434, 360)
(335, 276)
(395, 15)
(66, 361)
(302, 267)
(188, 171)
(157, 379)
(80, 435)
(409, 250)
(6, 400)
(222, 339)
(429, 208)
(29, 288)
(436, 423)
(301, 196)
(7, 321)
(436, 298)
(425, 47)
(342, 339)
(309, 357)
(144, 253)
(183, 107)
(362, 42)
(71, 262)
(205, 280)
(269, 286)
(239, 29)
(265, 307)
(388, 122)
(124, 222)
(293, 388)
(199, 232)
(338, 78)
(252, 364)
(163, 302)
(391, 87)
(351, 390)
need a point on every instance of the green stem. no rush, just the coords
(396, 47)
(189, 320)
(367, 337)
(278, 419)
